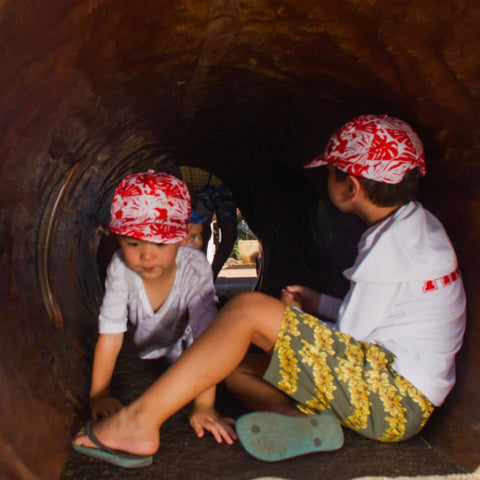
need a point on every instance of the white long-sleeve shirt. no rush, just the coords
(187, 311)
(406, 294)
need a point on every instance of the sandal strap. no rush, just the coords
(93, 438)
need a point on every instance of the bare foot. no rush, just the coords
(124, 431)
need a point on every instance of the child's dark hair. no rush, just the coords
(388, 194)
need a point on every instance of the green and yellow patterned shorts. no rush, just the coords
(320, 369)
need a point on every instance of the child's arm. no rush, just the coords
(310, 301)
(205, 417)
(106, 352)
(202, 310)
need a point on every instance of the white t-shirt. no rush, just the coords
(406, 294)
(186, 312)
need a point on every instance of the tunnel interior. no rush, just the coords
(248, 90)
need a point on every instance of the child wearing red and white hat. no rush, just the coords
(380, 365)
(406, 303)
(163, 290)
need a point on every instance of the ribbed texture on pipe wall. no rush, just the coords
(249, 90)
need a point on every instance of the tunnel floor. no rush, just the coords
(183, 456)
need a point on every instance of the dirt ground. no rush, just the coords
(466, 476)
(183, 456)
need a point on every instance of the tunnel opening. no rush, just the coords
(245, 245)
(249, 90)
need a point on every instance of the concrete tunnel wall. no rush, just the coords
(250, 90)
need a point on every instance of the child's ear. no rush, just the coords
(353, 186)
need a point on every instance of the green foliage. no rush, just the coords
(234, 253)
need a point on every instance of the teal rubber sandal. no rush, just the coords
(109, 455)
(272, 437)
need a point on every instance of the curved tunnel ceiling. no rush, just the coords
(250, 90)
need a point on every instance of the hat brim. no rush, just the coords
(316, 162)
(163, 236)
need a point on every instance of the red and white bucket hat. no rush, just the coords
(151, 206)
(377, 147)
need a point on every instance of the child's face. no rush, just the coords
(337, 190)
(194, 237)
(150, 260)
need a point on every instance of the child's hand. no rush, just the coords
(104, 406)
(289, 299)
(207, 418)
(304, 298)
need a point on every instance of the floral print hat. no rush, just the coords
(151, 206)
(377, 147)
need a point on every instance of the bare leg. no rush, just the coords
(254, 393)
(248, 318)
